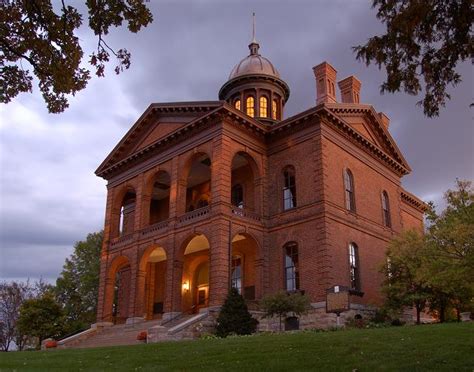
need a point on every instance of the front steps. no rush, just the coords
(184, 327)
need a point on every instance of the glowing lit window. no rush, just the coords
(250, 106)
(274, 109)
(263, 107)
(237, 104)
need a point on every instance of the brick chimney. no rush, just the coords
(325, 76)
(385, 120)
(350, 89)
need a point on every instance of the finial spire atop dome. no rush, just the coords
(254, 46)
(253, 31)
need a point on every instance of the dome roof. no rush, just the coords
(254, 64)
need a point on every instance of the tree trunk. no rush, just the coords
(280, 323)
(418, 311)
(442, 311)
(458, 314)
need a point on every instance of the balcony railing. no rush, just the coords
(196, 214)
(154, 228)
(245, 213)
(121, 240)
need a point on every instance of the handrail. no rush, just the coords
(194, 214)
(246, 213)
(73, 333)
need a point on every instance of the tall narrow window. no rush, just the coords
(250, 106)
(237, 104)
(274, 109)
(237, 196)
(354, 266)
(386, 210)
(292, 279)
(349, 186)
(236, 276)
(263, 107)
(289, 188)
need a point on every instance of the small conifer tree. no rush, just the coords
(234, 317)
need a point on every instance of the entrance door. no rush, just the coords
(202, 296)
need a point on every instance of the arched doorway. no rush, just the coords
(244, 274)
(195, 278)
(117, 298)
(153, 263)
(198, 183)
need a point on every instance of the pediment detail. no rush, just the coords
(365, 120)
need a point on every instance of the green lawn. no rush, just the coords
(444, 347)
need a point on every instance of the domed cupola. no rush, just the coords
(255, 87)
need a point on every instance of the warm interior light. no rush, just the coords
(186, 286)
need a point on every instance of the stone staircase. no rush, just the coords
(100, 335)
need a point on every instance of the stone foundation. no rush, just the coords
(316, 318)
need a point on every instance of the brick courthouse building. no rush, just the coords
(207, 195)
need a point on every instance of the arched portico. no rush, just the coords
(194, 285)
(246, 267)
(117, 291)
(151, 283)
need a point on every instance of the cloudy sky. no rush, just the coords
(49, 195)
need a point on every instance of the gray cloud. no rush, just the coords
(49, 195)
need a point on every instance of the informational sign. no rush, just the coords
(337, 299)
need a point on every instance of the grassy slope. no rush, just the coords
(447, 347)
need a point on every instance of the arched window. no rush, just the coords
(236, 277)
(354, 266)
(263, 107)
(237, 104)
(250, 106)
(274, 109)
(127, 214)
(349, 187)
(237, 195)
(289, 188)
(292, 278)
(386, 210)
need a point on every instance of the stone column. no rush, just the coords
(102, 292)
(219, 263)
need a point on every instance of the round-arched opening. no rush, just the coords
(243, 273)
(154, 264)
(160, 198)
(198, 183)
(195, 278)
(127, 213)
(243, 191)
(117, 290)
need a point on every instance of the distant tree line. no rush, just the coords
(31, 312)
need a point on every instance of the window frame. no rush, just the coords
(250, 110)
(238, 102)
(240, 278)
(289, 186)
(386, 217)
(293, 267)
(354, 267)
(349, 190)
(265, 106)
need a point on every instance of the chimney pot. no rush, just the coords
(325, 76)
(350, 89)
